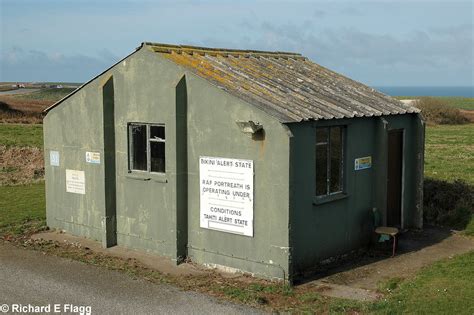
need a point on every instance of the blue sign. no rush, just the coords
(54, 158)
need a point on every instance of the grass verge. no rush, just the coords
(22, 210)
(469, 231)
(446, 287)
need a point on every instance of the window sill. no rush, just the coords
(330, 198)
(159, 178)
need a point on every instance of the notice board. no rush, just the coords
(75, 182)
(226, 195)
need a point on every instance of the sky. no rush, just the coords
(380, 43)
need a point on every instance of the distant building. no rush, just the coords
(257, 161)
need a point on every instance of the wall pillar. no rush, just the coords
(109, 220)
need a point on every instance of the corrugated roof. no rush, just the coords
(285, 85)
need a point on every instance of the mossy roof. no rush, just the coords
(286, 85)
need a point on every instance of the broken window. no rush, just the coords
(146, 147)
(157, 149)
(329, 160)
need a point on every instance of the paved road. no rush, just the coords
(29, 277)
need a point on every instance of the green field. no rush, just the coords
(449, 152)
(21, 135)
(46, 94)
(466, 103)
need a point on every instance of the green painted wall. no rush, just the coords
(72, 129)
(321, 231)
(212, 131)
(151, 213)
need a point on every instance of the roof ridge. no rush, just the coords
(168, 48)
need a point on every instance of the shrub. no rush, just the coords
(20, 165)
(435, 111)
(448, 204)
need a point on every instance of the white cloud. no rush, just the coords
(443, 53)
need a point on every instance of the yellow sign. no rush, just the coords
(363, 163)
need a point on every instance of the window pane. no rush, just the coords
(157, 133)
(321, 169)
(139, 147)
(157, 155)
(335, 183)
(321, 135)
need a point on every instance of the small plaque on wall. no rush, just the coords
(363, 163)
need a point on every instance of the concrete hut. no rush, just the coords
(262, 162)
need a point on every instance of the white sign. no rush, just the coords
(363, 163)
(54, 158)
(226, 190)
(93, 157)
(75, 182)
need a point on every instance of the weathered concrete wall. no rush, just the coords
(149, 89)
(320, 231)
(146, 202)
(72, 129)
(212, 131)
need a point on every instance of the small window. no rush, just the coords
(329, 160)
(146, 147)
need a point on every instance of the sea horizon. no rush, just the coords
(459, 91)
